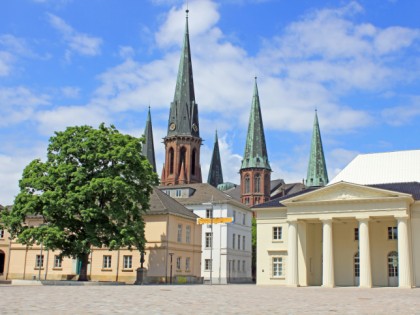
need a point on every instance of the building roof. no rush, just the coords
(148, 149)
(276, 202)
(382, 168)
(317, 170)
(204, 193)
(255, 155)
(215, 172)
(183, 117)
(161, 203)
(412, 188)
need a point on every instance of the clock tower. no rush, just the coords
(183, 142)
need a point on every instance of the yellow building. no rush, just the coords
(173, 248)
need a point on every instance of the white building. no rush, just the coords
(363, 229)
(226, 248)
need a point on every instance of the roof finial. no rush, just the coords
(186, 11)
(255, 78)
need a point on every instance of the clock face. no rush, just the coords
(195, 128)
(172, 126)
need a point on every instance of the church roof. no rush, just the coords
(317, 169)
(255, 155)
(183, 117)
(148, 149)
(215, 172)
(276, 202)
(161, 203)
(382, 168)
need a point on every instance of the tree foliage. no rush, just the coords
(91, 191)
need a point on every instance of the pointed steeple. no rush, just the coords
(148, 149)
(183, 119)
(215, 172)
(317, 170)
(255, 149)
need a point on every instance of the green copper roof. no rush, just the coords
(317, 170)
(215, 172)
(183, 117)
(255, 149)
(148, 149)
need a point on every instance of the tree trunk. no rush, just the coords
(84, 258)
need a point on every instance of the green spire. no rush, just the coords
(148, 149)
(215, 172)
(255, 149)
(183, 117)
(317, 170)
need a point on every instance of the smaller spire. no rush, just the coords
(317, 169)
(215, 172)
(148, 149)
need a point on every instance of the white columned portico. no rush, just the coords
(364, 254)
(292, 255)
(327, 254)
(404, 266)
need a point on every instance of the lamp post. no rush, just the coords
(170, 275)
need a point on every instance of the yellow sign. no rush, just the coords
(214, 220)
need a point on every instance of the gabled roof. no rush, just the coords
(255, 155)
(148, 149)
(411, 188)
(161, 203)
(204, 193)
(317, 170)
(382, 168)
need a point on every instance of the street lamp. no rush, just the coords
(170, 275)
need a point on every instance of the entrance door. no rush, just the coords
(2, 256)
(356, 269)
(393, 269)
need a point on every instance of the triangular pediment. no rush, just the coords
(344, 191)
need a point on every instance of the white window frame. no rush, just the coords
(179, 236)
(106, 262)
(58, 261)
(239, 242)
(39, 261)
(392, 233)
(277, 266)
(277, 233)
(209, 239)
(178, 263)
(243, 242)
(127, 262)
(233, 240)
(207, 264)
(243, 265)
(188, 234)
(187, 264)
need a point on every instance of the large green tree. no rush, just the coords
(91, 191)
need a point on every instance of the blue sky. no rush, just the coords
(73, 62)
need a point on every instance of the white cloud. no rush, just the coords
(18, 104)
(403, 114)
(6, 61)
(70, 91)
(77, 42)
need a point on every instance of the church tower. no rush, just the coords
(255, 170)
(317, 169)
(215, 172)
(148, 149)
(182, 142)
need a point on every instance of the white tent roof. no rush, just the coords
(382, 168)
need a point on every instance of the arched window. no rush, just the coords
(257, 181)
(193, 161)
(266, 184)
(247, 184)
(182, 154)
(393, 264)
(171, 161)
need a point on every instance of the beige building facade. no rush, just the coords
(341, 235)
(172, 253)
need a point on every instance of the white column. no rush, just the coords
(327, 254)
(292, 254)
(364, 254)
(404, 266)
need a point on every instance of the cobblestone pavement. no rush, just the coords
(205, 299)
